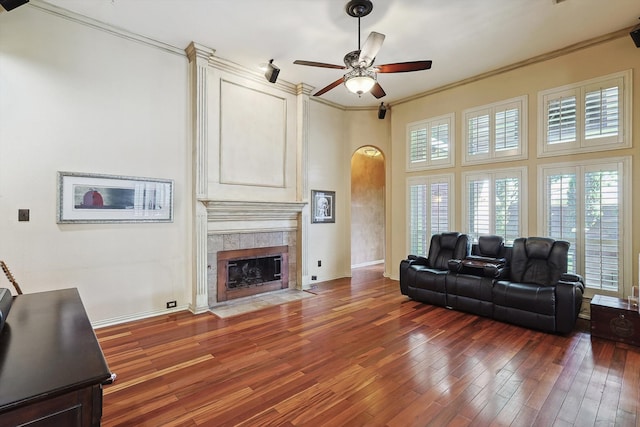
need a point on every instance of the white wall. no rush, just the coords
(76, 98)
(329, 162)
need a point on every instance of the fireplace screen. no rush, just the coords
(245, 272)
(252, 272)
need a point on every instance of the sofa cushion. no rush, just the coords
(525, 296)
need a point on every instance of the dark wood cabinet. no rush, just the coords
(51, 364)
(613, 319)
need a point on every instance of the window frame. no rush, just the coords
(495, 155)
(517, 172)
(428, 181)
(428, 124)
(623, 165)
(582, 144)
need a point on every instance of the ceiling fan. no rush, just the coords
(362, 74)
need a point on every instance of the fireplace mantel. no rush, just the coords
(225, 216)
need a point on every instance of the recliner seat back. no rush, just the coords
(446, 246)
(539, 260)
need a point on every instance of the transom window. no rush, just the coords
(587, 116)
(430, 143)
(496, 132)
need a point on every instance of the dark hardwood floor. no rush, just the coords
(360, 353)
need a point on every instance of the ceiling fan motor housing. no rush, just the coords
(359, 8)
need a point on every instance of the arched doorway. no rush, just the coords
(367, 208)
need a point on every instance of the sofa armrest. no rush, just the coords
(419, 260)
(496, 271)
(455, 265)
(568, 303)
(572, 279)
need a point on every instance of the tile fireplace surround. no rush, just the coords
(235, 241)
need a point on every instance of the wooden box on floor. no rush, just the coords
(612, 318)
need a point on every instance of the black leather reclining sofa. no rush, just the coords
(526, 284)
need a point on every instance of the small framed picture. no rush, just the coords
(323, 206)
(93, 198)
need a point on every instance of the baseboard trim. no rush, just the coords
(367, 264)
(138, 316)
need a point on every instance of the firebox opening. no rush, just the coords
(253, 272)
(246, 272)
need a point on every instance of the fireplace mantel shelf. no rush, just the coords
(224, 210)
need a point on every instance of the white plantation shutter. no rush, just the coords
(440, 141)
(585, 117)
(439, 207)
(478, 136)
(430, 210)
(601, 114)
(479, 207)
(602, 227)
(418, 144)
(584, 206)
(496, 132)
(495, 204)
(561, 215)
(430, 143)
(507, 129)
(507, 209)
(418, 219)
(561, 118)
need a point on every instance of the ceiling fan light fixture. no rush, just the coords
(360, 80)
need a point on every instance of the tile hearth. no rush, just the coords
(244, 305)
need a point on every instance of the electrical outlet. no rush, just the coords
(171, 304)
(319, 263)
(23, 214)
(314, 277)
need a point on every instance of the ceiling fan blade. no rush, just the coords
(329, 87)
(319, 64)
(371, 48)
(377, 91)
(403, 67)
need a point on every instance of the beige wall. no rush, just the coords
(600, 60)
(75, 98)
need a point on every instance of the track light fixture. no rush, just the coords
(272, 72)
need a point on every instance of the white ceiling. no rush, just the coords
(464, 38)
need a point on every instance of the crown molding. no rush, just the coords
(534, 60)
(99, 25)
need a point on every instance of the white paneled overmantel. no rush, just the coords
(225, 217)
(249, 140)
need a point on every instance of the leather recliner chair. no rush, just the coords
(540, 293)
(423, 279)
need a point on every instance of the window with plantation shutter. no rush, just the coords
(562, 120)
(496, 132)
(430, 143)
(584, 204)
(494, 203)
(430, 210)
(586, 116)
